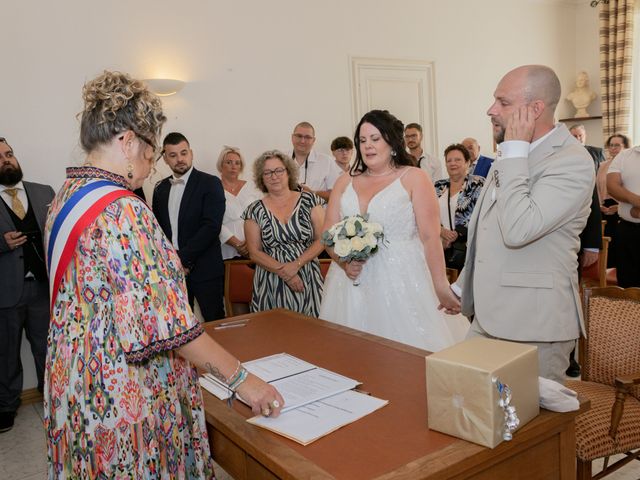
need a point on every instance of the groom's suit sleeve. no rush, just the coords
(528, 212)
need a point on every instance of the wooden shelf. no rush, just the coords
(580, 119)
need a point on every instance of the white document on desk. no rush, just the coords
(298, 382)
(315, 420)
(311, 386)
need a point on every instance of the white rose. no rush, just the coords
(370, 240)
(357, 244)
(350, 226)
(342, 247)
(374, 227)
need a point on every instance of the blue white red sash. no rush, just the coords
(80, 211)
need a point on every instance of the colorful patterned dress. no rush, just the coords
(286, 242)
(119, 401)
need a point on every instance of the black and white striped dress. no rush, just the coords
(285, 243)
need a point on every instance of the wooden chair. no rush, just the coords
(610, 359)
(596, 274)
(452, 274)
(325, 263)
(238, 286)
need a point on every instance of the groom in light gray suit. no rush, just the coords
(520, 280)
(24, 290)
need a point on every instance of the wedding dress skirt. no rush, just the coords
(396, 298)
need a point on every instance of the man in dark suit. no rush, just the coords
(480, 164)
(24, 290)
(580, 133)
(189, 206)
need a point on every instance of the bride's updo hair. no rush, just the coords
(392, 130)
(114, 103)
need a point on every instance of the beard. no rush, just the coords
(498, 135)
(10, 175)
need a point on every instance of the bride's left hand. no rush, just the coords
(448, 301)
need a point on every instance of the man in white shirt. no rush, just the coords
(623, 184)
(189, 206)
(427, 162)
(318, 172)
(520, 280)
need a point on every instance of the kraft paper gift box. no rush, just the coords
(462, 398)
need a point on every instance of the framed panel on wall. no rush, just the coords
(404, 87)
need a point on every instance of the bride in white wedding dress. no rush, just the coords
(401, 285)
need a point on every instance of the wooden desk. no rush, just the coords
(393, 442)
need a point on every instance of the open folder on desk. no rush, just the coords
(317, 401)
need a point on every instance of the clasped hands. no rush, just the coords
(289, 273)
(447, 237)
(14, 239)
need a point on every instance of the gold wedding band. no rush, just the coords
(275, 404)
(266, 411)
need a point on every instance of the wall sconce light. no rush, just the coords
(163, 87)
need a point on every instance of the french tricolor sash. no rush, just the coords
(80, 211)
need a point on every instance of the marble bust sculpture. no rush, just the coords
(582, 95)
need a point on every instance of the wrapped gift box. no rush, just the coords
(462, 397)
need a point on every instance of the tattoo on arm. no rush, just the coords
(215, 372)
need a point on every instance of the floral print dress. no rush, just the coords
(119, 401)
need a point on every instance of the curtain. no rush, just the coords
(616, 55)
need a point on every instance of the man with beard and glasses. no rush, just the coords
(520, 280)
(189, 206)
(24, 290)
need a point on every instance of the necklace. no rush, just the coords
(232, 189)
(383, 174)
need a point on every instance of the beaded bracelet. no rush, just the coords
(235, 372)
(242, 376)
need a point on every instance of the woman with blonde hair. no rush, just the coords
(239, 194)
(122, 398)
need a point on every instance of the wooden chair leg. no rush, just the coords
(583, 470)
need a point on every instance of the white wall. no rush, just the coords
(255, 68)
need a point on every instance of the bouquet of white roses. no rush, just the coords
(354, 238)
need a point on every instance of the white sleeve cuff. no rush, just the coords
(514, 149)
(456, 289)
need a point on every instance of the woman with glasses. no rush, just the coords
(121, 397)
(283, 232)
(239, 194)
(608, 205)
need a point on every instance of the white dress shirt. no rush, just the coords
(175, 198)
(431, 165)
(319, 172)
(232, 222)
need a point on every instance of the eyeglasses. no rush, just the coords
(306, 138)
(343, 150)
(615, 145)
(278, 172)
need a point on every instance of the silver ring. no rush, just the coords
(275, 404)
(266, 412)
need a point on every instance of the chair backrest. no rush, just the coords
(238, 283)
(325, 263)
(597, 273)
(452, 275)
(612, 345)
